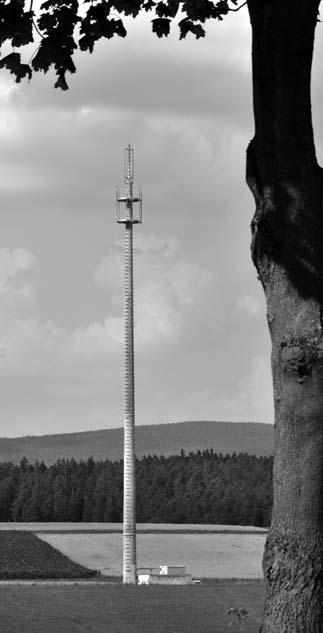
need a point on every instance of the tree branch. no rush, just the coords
(238, 8)
(37, 29)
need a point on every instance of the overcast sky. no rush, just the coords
(202, 347)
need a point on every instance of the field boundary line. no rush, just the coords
(54, 583)
(159, 532)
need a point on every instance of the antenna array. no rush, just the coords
(129, 199)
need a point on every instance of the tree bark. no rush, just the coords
(287, 249)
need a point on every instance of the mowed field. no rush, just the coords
(212, 551)
(206, 550)
(207, 555)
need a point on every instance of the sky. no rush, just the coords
(202, 346)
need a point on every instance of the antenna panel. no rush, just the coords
(129, 164)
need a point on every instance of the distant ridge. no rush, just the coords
(158, 439)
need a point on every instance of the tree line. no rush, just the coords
(200, 487)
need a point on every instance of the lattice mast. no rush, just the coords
(128, 218)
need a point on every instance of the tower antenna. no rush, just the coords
(128, 218)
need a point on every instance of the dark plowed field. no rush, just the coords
(23, 555)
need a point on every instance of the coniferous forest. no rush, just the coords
(201, 487)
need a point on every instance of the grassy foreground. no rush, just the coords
(23, 555)
(127, 609)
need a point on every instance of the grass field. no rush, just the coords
(127, 609)
(114, 608)
(210, 555)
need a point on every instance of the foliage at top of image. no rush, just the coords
(23, 555)
(61, 27)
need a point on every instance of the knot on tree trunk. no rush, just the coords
(296, 360)
(299, 357)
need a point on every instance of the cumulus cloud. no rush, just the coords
(28, 347)
(188, 280)
(189, 65)
(250, 304)
(166, 284)
(186, 108)
(13, 261)
(108, 272)
(250, 398)
(256, 390)
(253, 398)
(16, 291)
(166, 246)
(97, 340)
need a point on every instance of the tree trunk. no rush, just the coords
(287, 249)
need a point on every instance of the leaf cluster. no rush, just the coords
(60, 27)
(241, 614)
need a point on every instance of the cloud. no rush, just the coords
(167, 283)
(108, 272)
(253, 399)
(186, 108)
(13, 261)
(188, 280)
(165, 246)
(179, 101)
(170, 79)
(97, 340)
(157, 316)
(167, 286)
(256, 390)
(16, 293)
(250, 304)
(29, 347)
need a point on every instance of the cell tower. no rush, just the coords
(129, 478)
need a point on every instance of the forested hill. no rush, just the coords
(202, 487)
(159, 439)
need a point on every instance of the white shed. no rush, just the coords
(172, 570)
